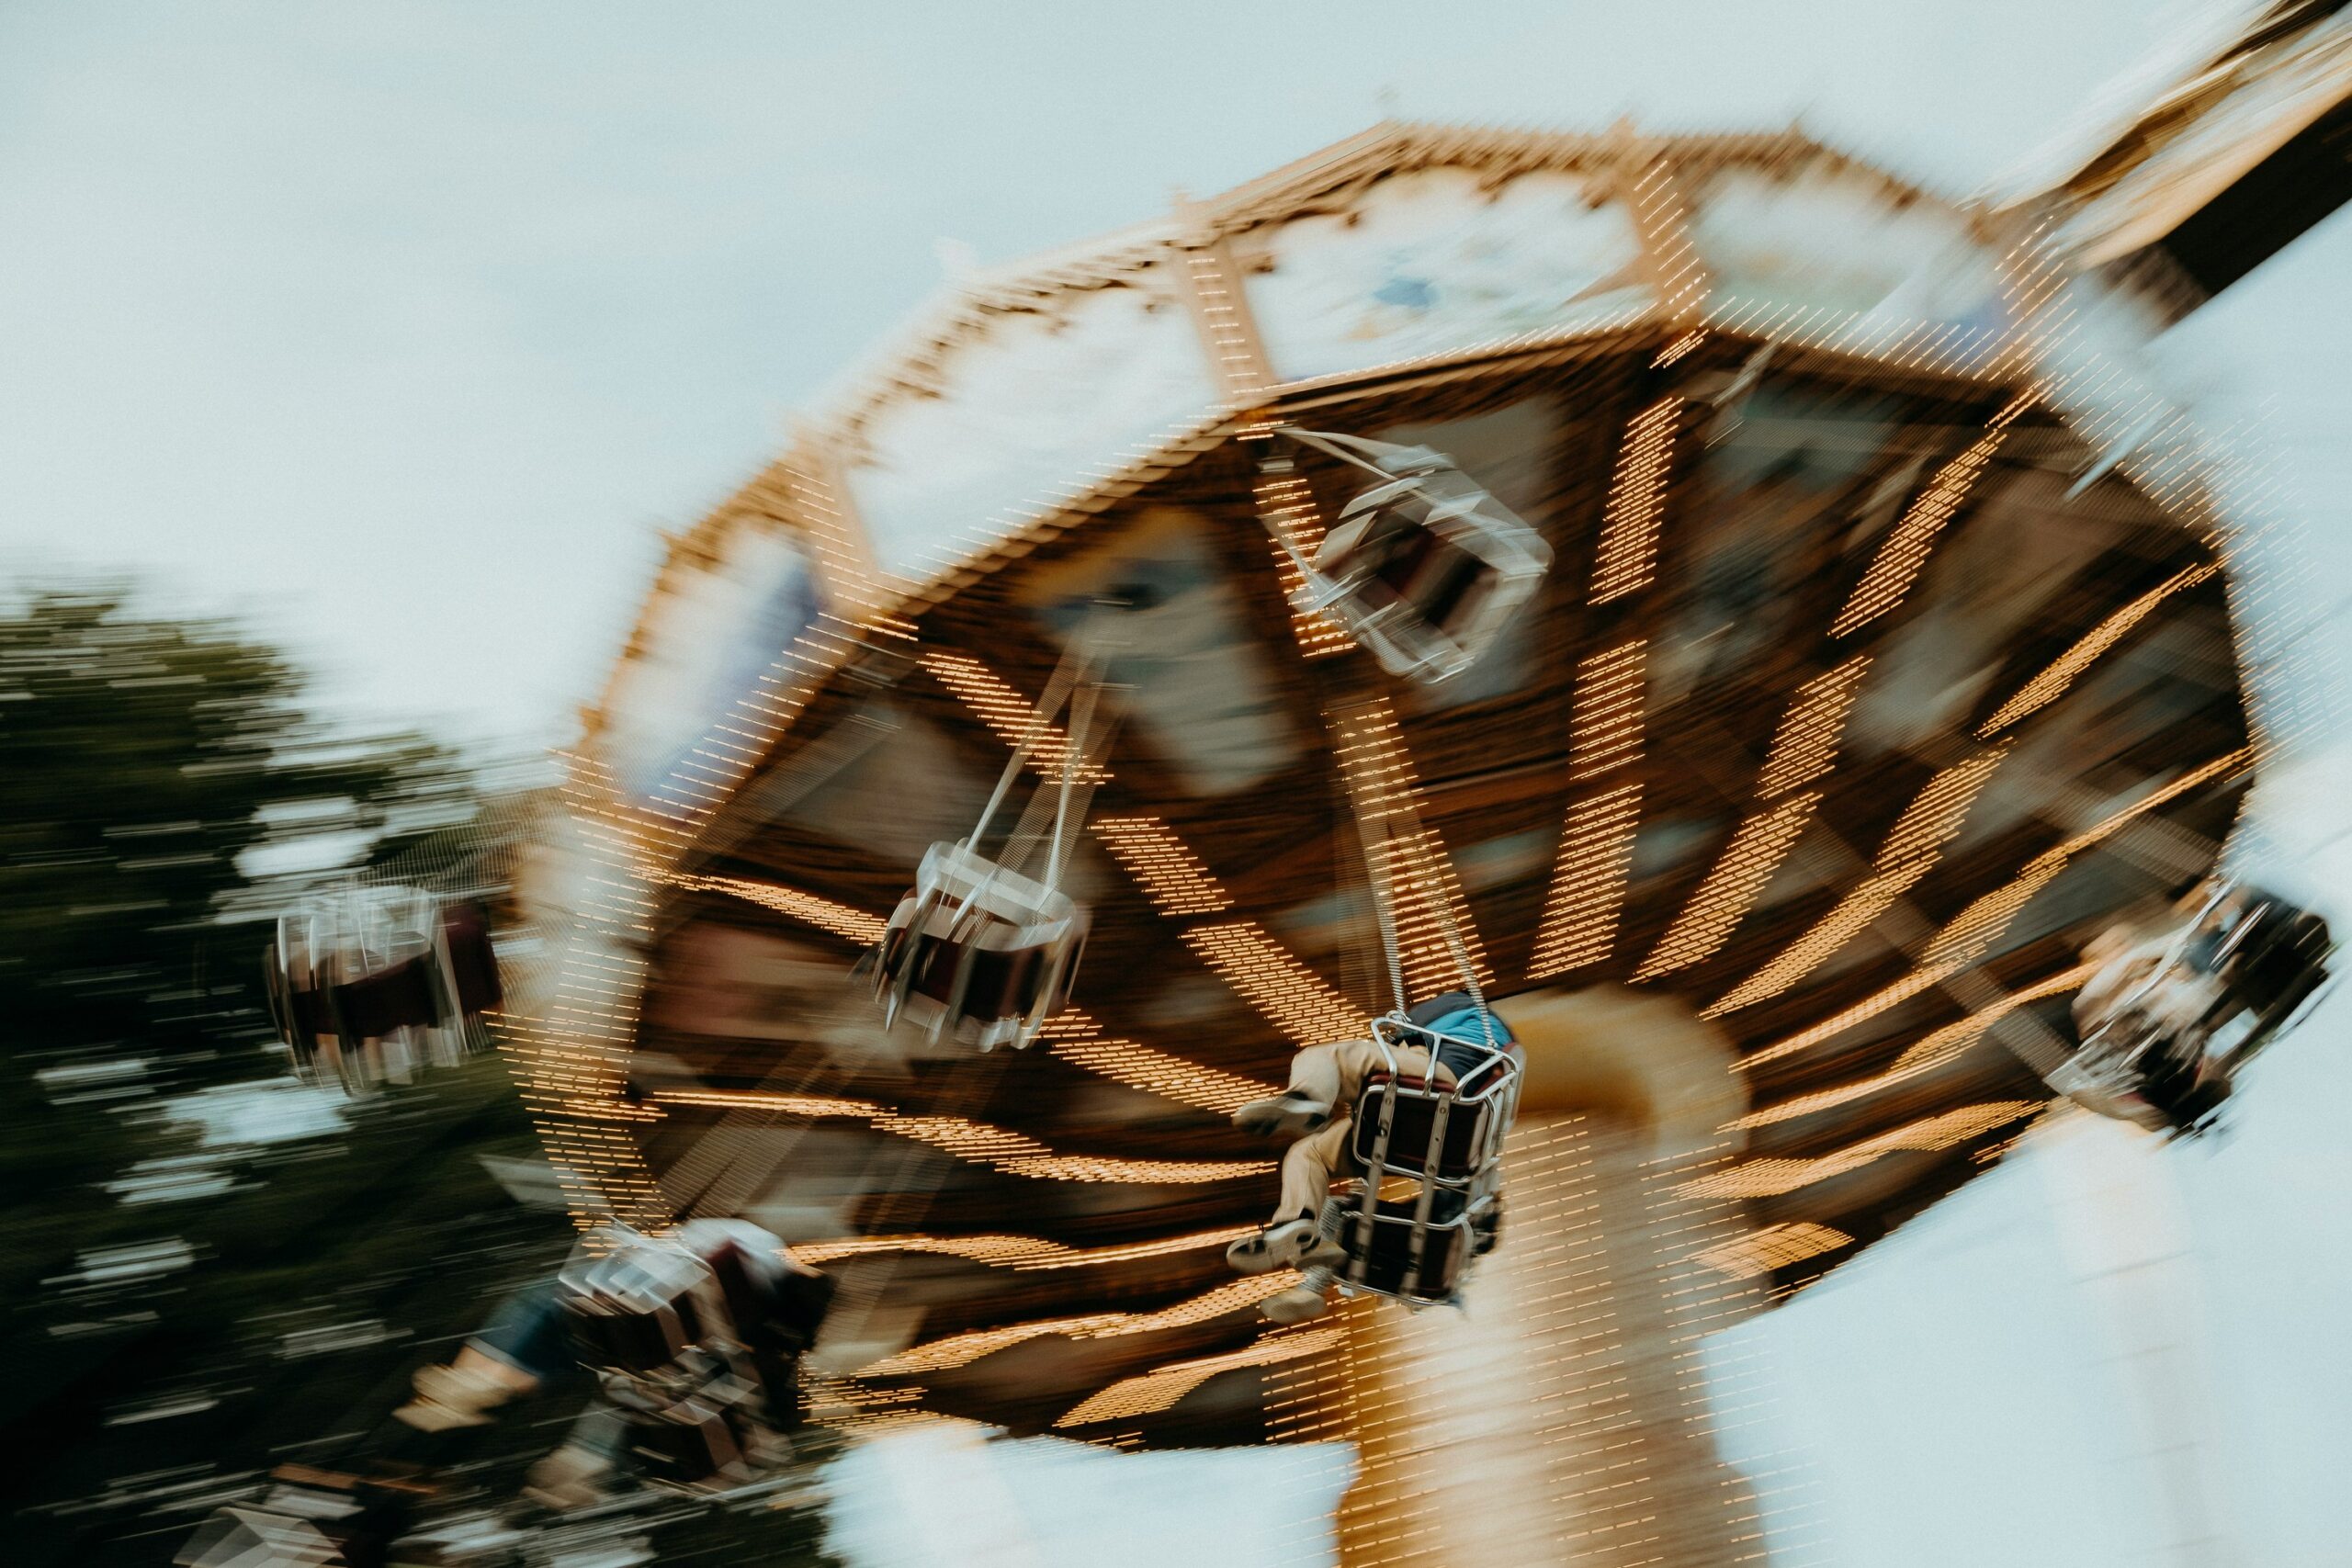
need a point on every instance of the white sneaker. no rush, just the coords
(1289, 1115)
(567, 1479)
(1292, 1243)
(1297, 1305)
(461, 1395)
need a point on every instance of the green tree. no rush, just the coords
(162, 794)
(145, 764)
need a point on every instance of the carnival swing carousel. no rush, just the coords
(1734, 613)
(1827, 686)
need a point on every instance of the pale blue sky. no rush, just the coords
(400, 327)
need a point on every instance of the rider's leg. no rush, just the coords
(1311, 1297)
(1324, 1080)
(1309, 1168)
(1316, 1088)
(1294, 1237)
(523, 1350)
(576, 1474)
(526, 1347)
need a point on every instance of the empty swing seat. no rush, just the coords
(1425, 568)
(976, 952)
(357, 1009)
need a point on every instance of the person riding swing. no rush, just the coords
(1450, 1044)
(2179, 1000)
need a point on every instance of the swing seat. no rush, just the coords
(358, 1008)
(2165, 1052)
(2105, 1088)
(1468, 1145)
(2140, 1069)
(976, 952)
(1445, 1135)
(694, 1342)
(775, 1305)
(1399, 1116)
(2272, 956)
(637, 1310)
(1383, 1259)
(688, 1447)
(1425, 568)
(781, 1310)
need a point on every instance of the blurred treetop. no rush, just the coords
(157, 778)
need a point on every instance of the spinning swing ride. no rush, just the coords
(1849, 698)
(1739, 610)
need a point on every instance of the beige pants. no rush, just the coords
(1334, 1074)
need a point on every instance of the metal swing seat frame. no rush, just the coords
(2111, 1066)
(654, 1323)
(374, 986)
(1425, 568)
(1445, 1139)
(976, 948)
(1437, 1127)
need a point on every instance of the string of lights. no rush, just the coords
(814, 496)
(977, 1143)
(1605, 725)
(1023, 1253)
(1939, 1048)
(1407, 862)
(2051, 684)
(1723, 900)
(1774, 1246)
(1264, 973)
(851, 925)
(1912, 848)
(1904, 550)
(1171, 876)
(1662, 221)
(1805, 749)
(1587, 894)
(1972, 932)
(1076, 1038)
(1151, 1393)
(1011, 716)
(962, 1349)
(1627, 557)
(1678, 349)
(1580, 911)
(1286, 506)
(1773, 1178)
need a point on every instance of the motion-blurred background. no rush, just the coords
(354, 363)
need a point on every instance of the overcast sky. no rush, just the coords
(400, 328)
